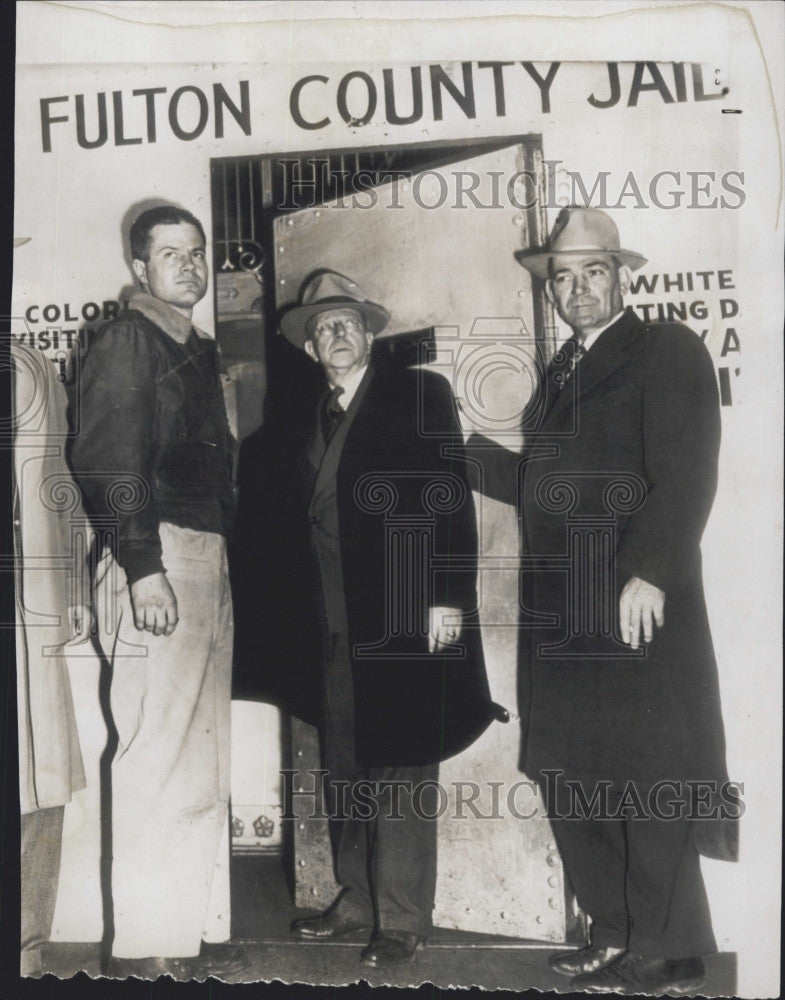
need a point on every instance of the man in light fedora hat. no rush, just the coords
(620, 697)
(402, 675)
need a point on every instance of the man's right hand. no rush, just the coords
(154, 605)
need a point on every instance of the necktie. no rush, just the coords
(565, 361)
(332, 413)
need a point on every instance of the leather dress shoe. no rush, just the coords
(180, 969)
(221, 959)
(331, 925)
(588, 959)
(391, 948)
(632, 973)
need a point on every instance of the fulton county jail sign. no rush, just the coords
(390, 96)
(244, 110)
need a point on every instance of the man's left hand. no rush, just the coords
(641, 607)
(444, 627)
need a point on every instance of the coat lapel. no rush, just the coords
(327, 458)
(607, 353)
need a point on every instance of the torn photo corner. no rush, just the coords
(468, 670)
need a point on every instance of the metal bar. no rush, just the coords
(266, 169)
(251, 200)
(227, 264)
(237, 205)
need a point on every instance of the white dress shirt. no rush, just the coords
(591, 337)
(350, 387)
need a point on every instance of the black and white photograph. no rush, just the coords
(396, 501)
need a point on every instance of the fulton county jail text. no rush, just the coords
(144, 114)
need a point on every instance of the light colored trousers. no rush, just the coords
(170, 700)
(42, 832)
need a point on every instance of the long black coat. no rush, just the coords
(618, 482)
(401, 463)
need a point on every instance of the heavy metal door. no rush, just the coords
(437, 250)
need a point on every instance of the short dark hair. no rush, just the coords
(162, 215)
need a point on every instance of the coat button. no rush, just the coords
(313, 519)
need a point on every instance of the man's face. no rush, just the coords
(176, 271)
(587, 291)
(339, 342)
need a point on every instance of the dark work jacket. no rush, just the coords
(618, 482)
(152, 441)
(400, 477)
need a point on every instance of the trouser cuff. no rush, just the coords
(354, 903)
(408, 923)
(607, 937)
(31, 963)
(670, 952)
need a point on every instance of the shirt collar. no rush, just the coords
(350, 387)
(171, 321)
(590, 338)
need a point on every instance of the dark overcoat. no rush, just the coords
(401, 490)
(618, 482)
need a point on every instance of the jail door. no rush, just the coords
(438, 256)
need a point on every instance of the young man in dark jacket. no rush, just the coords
(151, 454)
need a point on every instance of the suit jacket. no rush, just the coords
(400, 488)
(618, 482)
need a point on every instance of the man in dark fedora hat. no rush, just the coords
(378, 486)
(618, 684)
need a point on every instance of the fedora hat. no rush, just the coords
(578, 231)
(323, 292)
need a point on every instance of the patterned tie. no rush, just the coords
(332, 413)
(565, 361)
